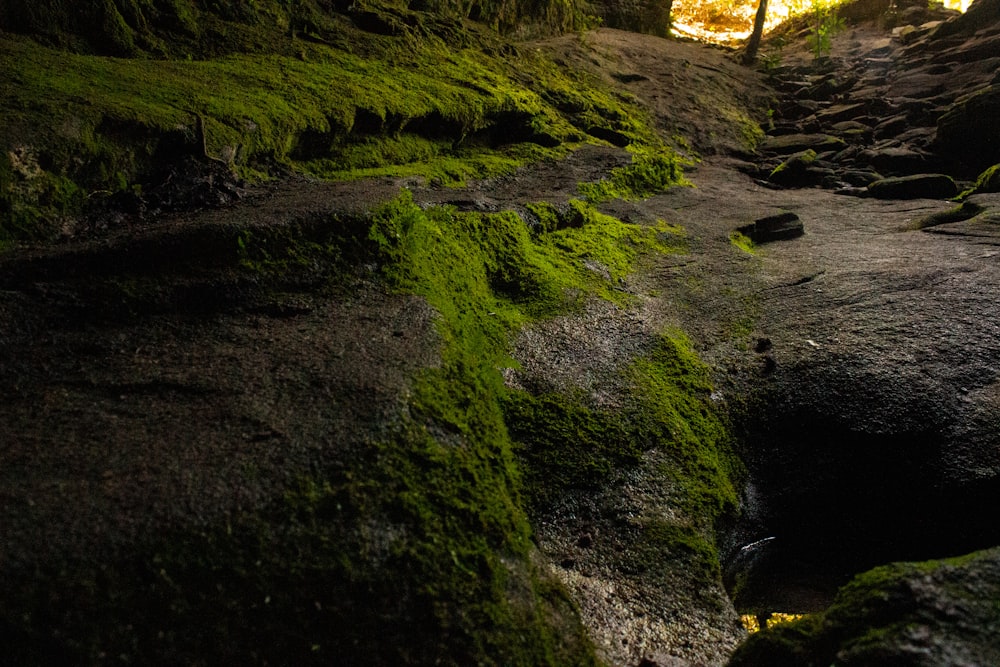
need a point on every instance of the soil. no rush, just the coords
(120, 420)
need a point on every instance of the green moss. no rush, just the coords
(964, 211)
(873, 617)
(743, 243)
(675, 388)
(988, 181)
(793, 169)
(568, 445)
(652, 171)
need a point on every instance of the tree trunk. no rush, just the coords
(750, 55)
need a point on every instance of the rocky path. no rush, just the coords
(881, 106)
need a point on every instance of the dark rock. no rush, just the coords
(847, 154)
(796, 170)
(981, 14)
(915, 614)
(860, 177)
(785, 129)
(839, 112)
(894, 160)
(970, 131)
(919, 84)
(919, 186)
(976, 49)
(795, 109)
(777, 227)
(914, 15)
(613, 137)
(917, 136)
(849, 126)
(794, 143)
(988, 181)
(852, 131)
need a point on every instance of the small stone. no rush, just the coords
(777, 227)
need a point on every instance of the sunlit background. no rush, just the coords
(732, 20)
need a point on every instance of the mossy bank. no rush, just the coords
(441, 99)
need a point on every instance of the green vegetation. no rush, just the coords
(825, 23)
(454, 103)
(416, 548)
(652, 171)
(988, 181)
(743, 242)
(567, 445)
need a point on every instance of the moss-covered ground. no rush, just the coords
(417, 548)
(441, 100)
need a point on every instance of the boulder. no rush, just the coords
(860, 177)
(989, 180)
(794, 143)
(892, 126)
(916, 614)
(894, 160)
(918, 186)
(969, 130)
(852, 130)
(797, 171)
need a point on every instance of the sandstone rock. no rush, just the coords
(776, 227)
(840, 112)
(795, 171)
(915, 614)
(969, 130)
(860, 177)
(794, 143)
(894, 160)
(988, 181)
(918, 186)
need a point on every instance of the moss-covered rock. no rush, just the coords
(179, 27)
(988, 181)
(917, 186)
(797, 170)
(934, 613)
(401, 540)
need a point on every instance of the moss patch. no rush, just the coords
(743, 242)
(652, 171)
(988, 181)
